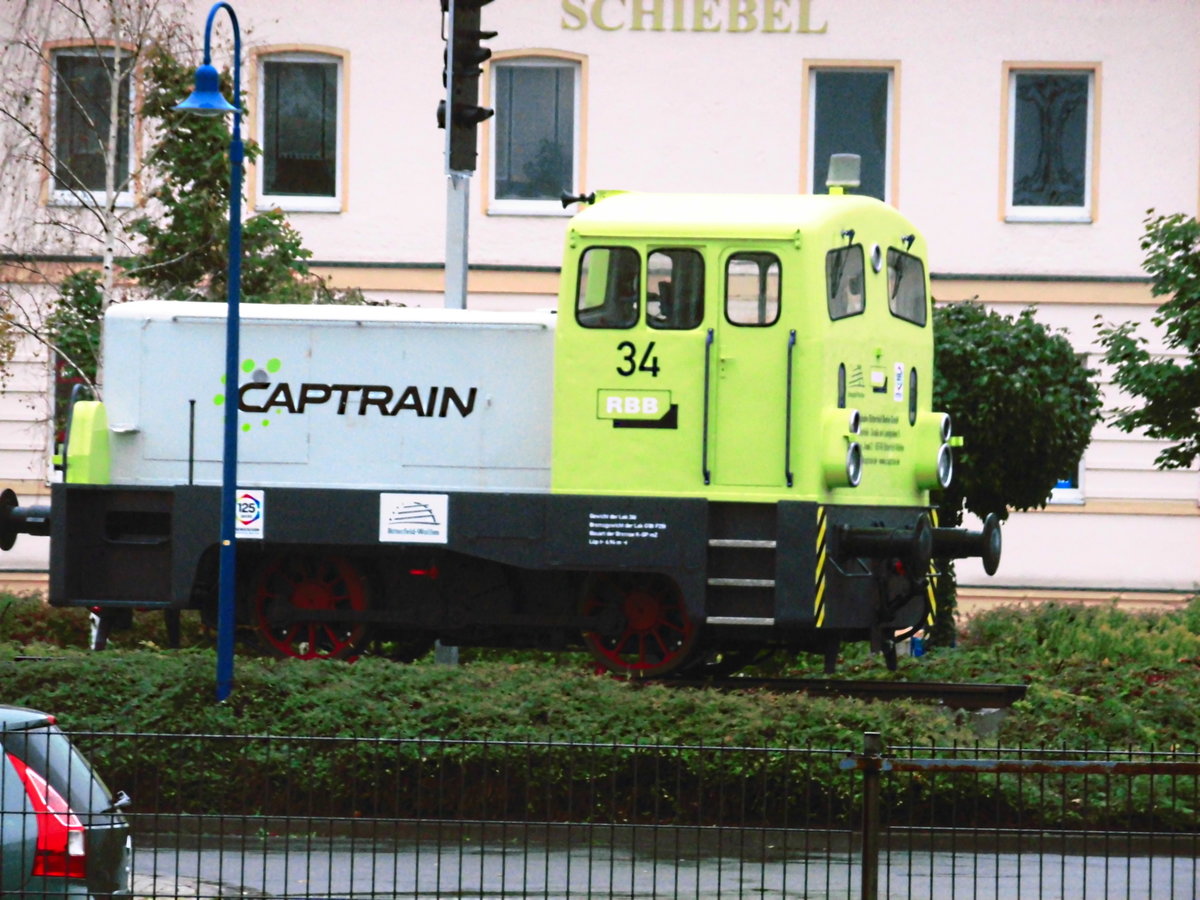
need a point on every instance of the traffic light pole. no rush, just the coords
(460, 114)
(458, 194)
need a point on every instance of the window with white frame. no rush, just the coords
(299, 130)
(851, 112)
(1050, 124)
(535, 134)
(80, 116)
(1069, 488)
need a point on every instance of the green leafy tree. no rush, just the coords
(1168, 389)
(73, 325)
(1025, 405)
(85, 166)
(72, 328)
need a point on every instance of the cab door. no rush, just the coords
(629, 374)
(751, 364)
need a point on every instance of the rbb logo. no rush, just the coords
(632, 406)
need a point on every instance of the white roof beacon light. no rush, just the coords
(845, 171)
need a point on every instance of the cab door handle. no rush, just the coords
(704, 470)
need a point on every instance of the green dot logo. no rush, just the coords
(252, 368)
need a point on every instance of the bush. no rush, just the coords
(1096, 676)
(510, 734)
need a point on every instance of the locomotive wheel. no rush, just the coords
(293, 584)
(647, 630)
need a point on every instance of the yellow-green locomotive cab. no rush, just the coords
(745, 348)
(772, 357)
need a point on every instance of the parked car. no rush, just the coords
(62, 830)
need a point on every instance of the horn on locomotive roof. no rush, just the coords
(568, 198)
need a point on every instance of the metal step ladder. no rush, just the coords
(741, 565)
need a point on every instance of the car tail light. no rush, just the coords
(60, 843)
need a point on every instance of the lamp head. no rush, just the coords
(206, 99)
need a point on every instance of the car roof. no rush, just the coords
(13, 718)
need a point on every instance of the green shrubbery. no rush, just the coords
(523, 734)
(1096, 675)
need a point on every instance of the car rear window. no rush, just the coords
(49, 753)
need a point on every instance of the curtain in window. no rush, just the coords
(82, 100)
(535, 131)
(300, 129)
(1050, 139)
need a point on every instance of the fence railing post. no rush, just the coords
(872, 752)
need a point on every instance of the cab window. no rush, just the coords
(844, 281)
(674, 289)
(609, 288)
(752, 286)
(906, 287)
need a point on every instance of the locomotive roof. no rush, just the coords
(778, 216)
(307, 314)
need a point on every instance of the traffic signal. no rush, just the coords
(466, 39)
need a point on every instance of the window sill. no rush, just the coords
(545, 208)
(1049, 217)
(1066, 497)
(81, 200)
(299, 204)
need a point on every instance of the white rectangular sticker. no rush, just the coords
(413, 518)
(898, 390)
(250, 512)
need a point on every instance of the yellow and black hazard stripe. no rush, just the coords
(819, 593)
(932, 588)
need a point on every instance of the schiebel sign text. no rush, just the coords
(733, 16)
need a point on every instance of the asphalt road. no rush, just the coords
(588, 868)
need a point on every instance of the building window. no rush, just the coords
(852, 113)
(300, 132)
(81, 115)
(1050, 145)
(1069, 488)
(535, 134)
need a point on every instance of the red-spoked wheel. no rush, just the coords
(297, 600)
(645, 628)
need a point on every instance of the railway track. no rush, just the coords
(955, 695)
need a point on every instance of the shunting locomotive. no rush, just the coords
(721, 442)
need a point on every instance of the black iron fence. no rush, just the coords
(237, 815)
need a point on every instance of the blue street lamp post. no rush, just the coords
(207, 100)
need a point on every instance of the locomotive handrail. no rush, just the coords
(787, 434)
(708, 342)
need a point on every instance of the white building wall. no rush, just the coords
(24, 414)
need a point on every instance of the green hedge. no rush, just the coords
(515, 735)
(1097, 676)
